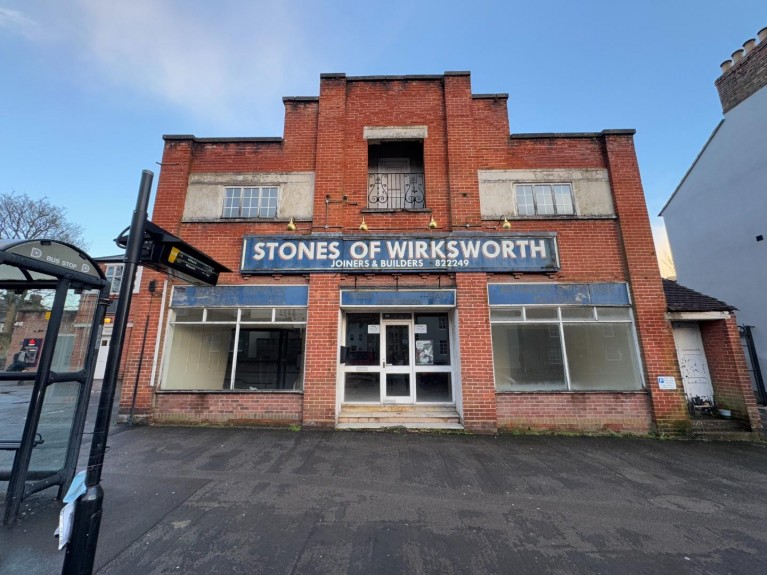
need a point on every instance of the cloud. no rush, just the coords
(15, 20)
(221, 62)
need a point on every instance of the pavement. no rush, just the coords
(230, 501)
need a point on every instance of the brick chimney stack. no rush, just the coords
(745, 74)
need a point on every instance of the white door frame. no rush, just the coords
(693, 364)
(408, 369)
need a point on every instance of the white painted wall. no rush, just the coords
(718, 210)
(591, 190)
(205, 194)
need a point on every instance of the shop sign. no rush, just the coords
(454, 253)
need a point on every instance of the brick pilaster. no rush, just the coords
(321, 351)
(656, 338)
(729, 372)
(461, 151)
(329, 179)
(476, 353)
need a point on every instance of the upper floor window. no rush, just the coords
(259, 202)
(544, 199)
(396, 175)
(114, 274)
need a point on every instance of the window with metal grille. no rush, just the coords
(259, 202)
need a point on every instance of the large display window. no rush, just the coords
(243, 349)
(565, 348)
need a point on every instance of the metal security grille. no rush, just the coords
(396, 191)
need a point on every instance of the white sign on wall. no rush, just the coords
(667, 382)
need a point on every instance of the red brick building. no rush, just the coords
(400, 259)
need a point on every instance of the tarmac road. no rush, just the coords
(230, 501)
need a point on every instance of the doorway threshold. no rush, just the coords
(382, 416)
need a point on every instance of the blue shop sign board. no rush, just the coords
(400, 298)
(240, 296)
(559, 294)
(454, 253)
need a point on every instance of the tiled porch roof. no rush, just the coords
(681, 298)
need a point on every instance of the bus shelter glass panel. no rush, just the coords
(55, 424)
(25, 319)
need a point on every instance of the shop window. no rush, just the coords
(567, 348)
(432, 339)
(268, 359)
(363, 338)
(249, 349)
(259, 202)
(544, 200)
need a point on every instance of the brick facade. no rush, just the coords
(729, 373)
(745, 77)
(580, 412)
(466, 133)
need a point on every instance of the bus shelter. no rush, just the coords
(53, 299)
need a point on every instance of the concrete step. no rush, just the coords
(356, 416)
(714, 424)
(397, 419)
(359, 407)
(727, 436)
(389, 425)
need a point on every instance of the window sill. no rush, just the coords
(395, 211)
(553, 217)
(228, 391)
(220, 220)
(642, 391)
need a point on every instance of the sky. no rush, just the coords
(90, 86)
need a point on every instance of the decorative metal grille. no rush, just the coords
(396, 191)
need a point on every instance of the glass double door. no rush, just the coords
(391, 358)
(397, 363)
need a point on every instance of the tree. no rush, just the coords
(22, 217)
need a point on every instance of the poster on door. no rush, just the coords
(424, 352)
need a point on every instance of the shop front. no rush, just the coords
(401, 257)
(400, 353)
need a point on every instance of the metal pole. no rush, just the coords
(141, 356)
(758, 379)
(81, 549)
(84, 394)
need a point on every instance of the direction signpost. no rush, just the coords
(149, 245)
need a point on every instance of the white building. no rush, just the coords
(717, 217)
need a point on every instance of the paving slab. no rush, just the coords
(229, 501)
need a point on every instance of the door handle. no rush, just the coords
(383, 364)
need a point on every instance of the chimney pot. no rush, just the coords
(726, 65)
(762, 34)
(737, 56)
(748, 45)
